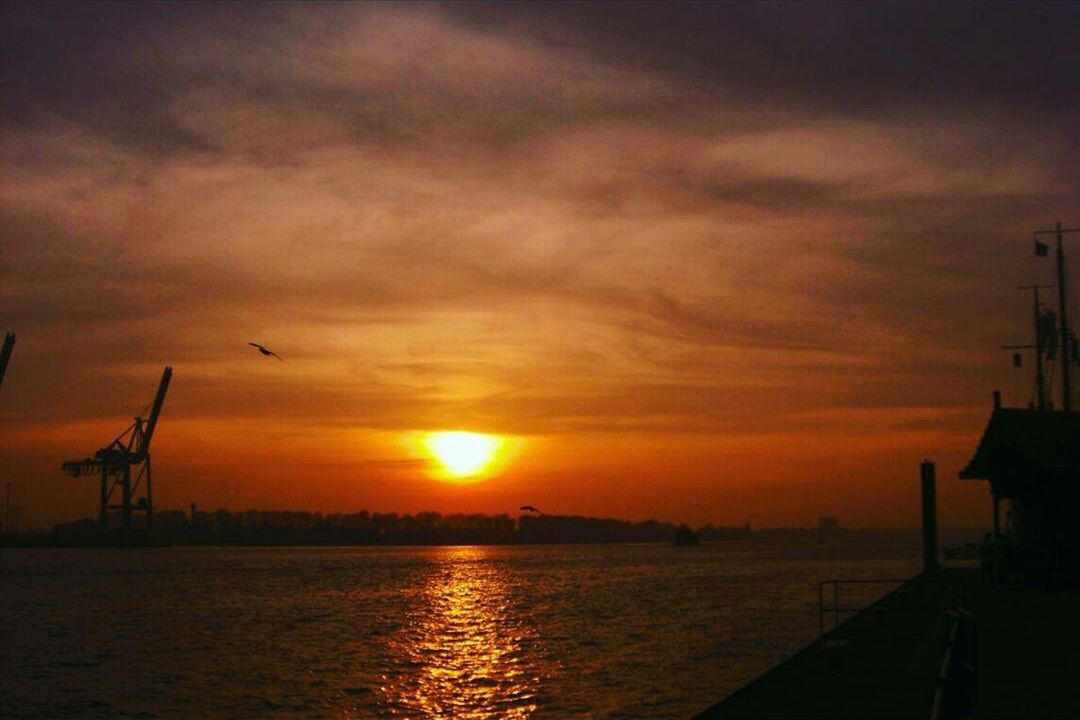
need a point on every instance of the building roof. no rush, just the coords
(1018, 441)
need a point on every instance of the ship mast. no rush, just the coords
(1066, 340)
(1039, 347)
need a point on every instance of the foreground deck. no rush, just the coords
(887, 661)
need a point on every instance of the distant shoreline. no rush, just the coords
(42, 539)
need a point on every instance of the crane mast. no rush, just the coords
(155, 411)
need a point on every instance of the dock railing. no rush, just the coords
(837, 609)
(954, 692)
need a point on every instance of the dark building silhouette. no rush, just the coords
(286, 527)
(686, 537)
(1032, 459)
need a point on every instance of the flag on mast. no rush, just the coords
(1041, 249)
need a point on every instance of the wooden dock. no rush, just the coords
(937, 648)
(882, 663)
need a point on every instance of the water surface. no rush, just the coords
(609, 631)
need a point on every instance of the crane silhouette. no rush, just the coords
(265, 351)
(131, 449)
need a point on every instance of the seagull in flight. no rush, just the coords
(265, 351)
(531, 508)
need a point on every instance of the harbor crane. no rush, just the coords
(5, 354)
(129, 453)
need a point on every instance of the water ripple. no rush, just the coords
(468, 632)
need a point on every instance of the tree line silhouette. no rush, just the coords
(285, 527)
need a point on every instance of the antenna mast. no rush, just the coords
(1039, 347)
(1066, 340)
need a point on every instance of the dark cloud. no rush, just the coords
(82, 63)
(782, 194)
(834, 56)
(141, 78)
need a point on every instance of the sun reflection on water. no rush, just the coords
(464, 649)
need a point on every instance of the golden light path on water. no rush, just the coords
(467, 649)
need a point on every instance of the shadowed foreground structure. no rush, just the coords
(1031, 458)
(992, 642)
(882, 663)
(890, 660)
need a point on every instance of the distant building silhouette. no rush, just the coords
(828, 523)
(826, 526)
(684, 536)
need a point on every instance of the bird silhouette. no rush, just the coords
(265, 351)
(531, 508)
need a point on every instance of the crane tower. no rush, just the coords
(126, 457)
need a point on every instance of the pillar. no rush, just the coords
(929, 517)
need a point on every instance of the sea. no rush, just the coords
(568, 631)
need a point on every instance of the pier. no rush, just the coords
(938, 647)
(885, 662)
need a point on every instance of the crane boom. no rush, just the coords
(5, 354)
(159, 400)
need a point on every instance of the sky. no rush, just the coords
(693, 262)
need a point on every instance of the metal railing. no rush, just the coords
(837, 610)
(954, 691)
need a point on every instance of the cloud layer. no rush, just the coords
(731, 233)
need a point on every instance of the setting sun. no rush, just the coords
(463, 454)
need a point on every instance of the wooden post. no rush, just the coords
(929, 517)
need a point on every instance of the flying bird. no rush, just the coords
(265, 351)
(531, 508)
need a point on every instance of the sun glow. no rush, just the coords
(463, 454)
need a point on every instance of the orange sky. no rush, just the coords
(694, 273)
